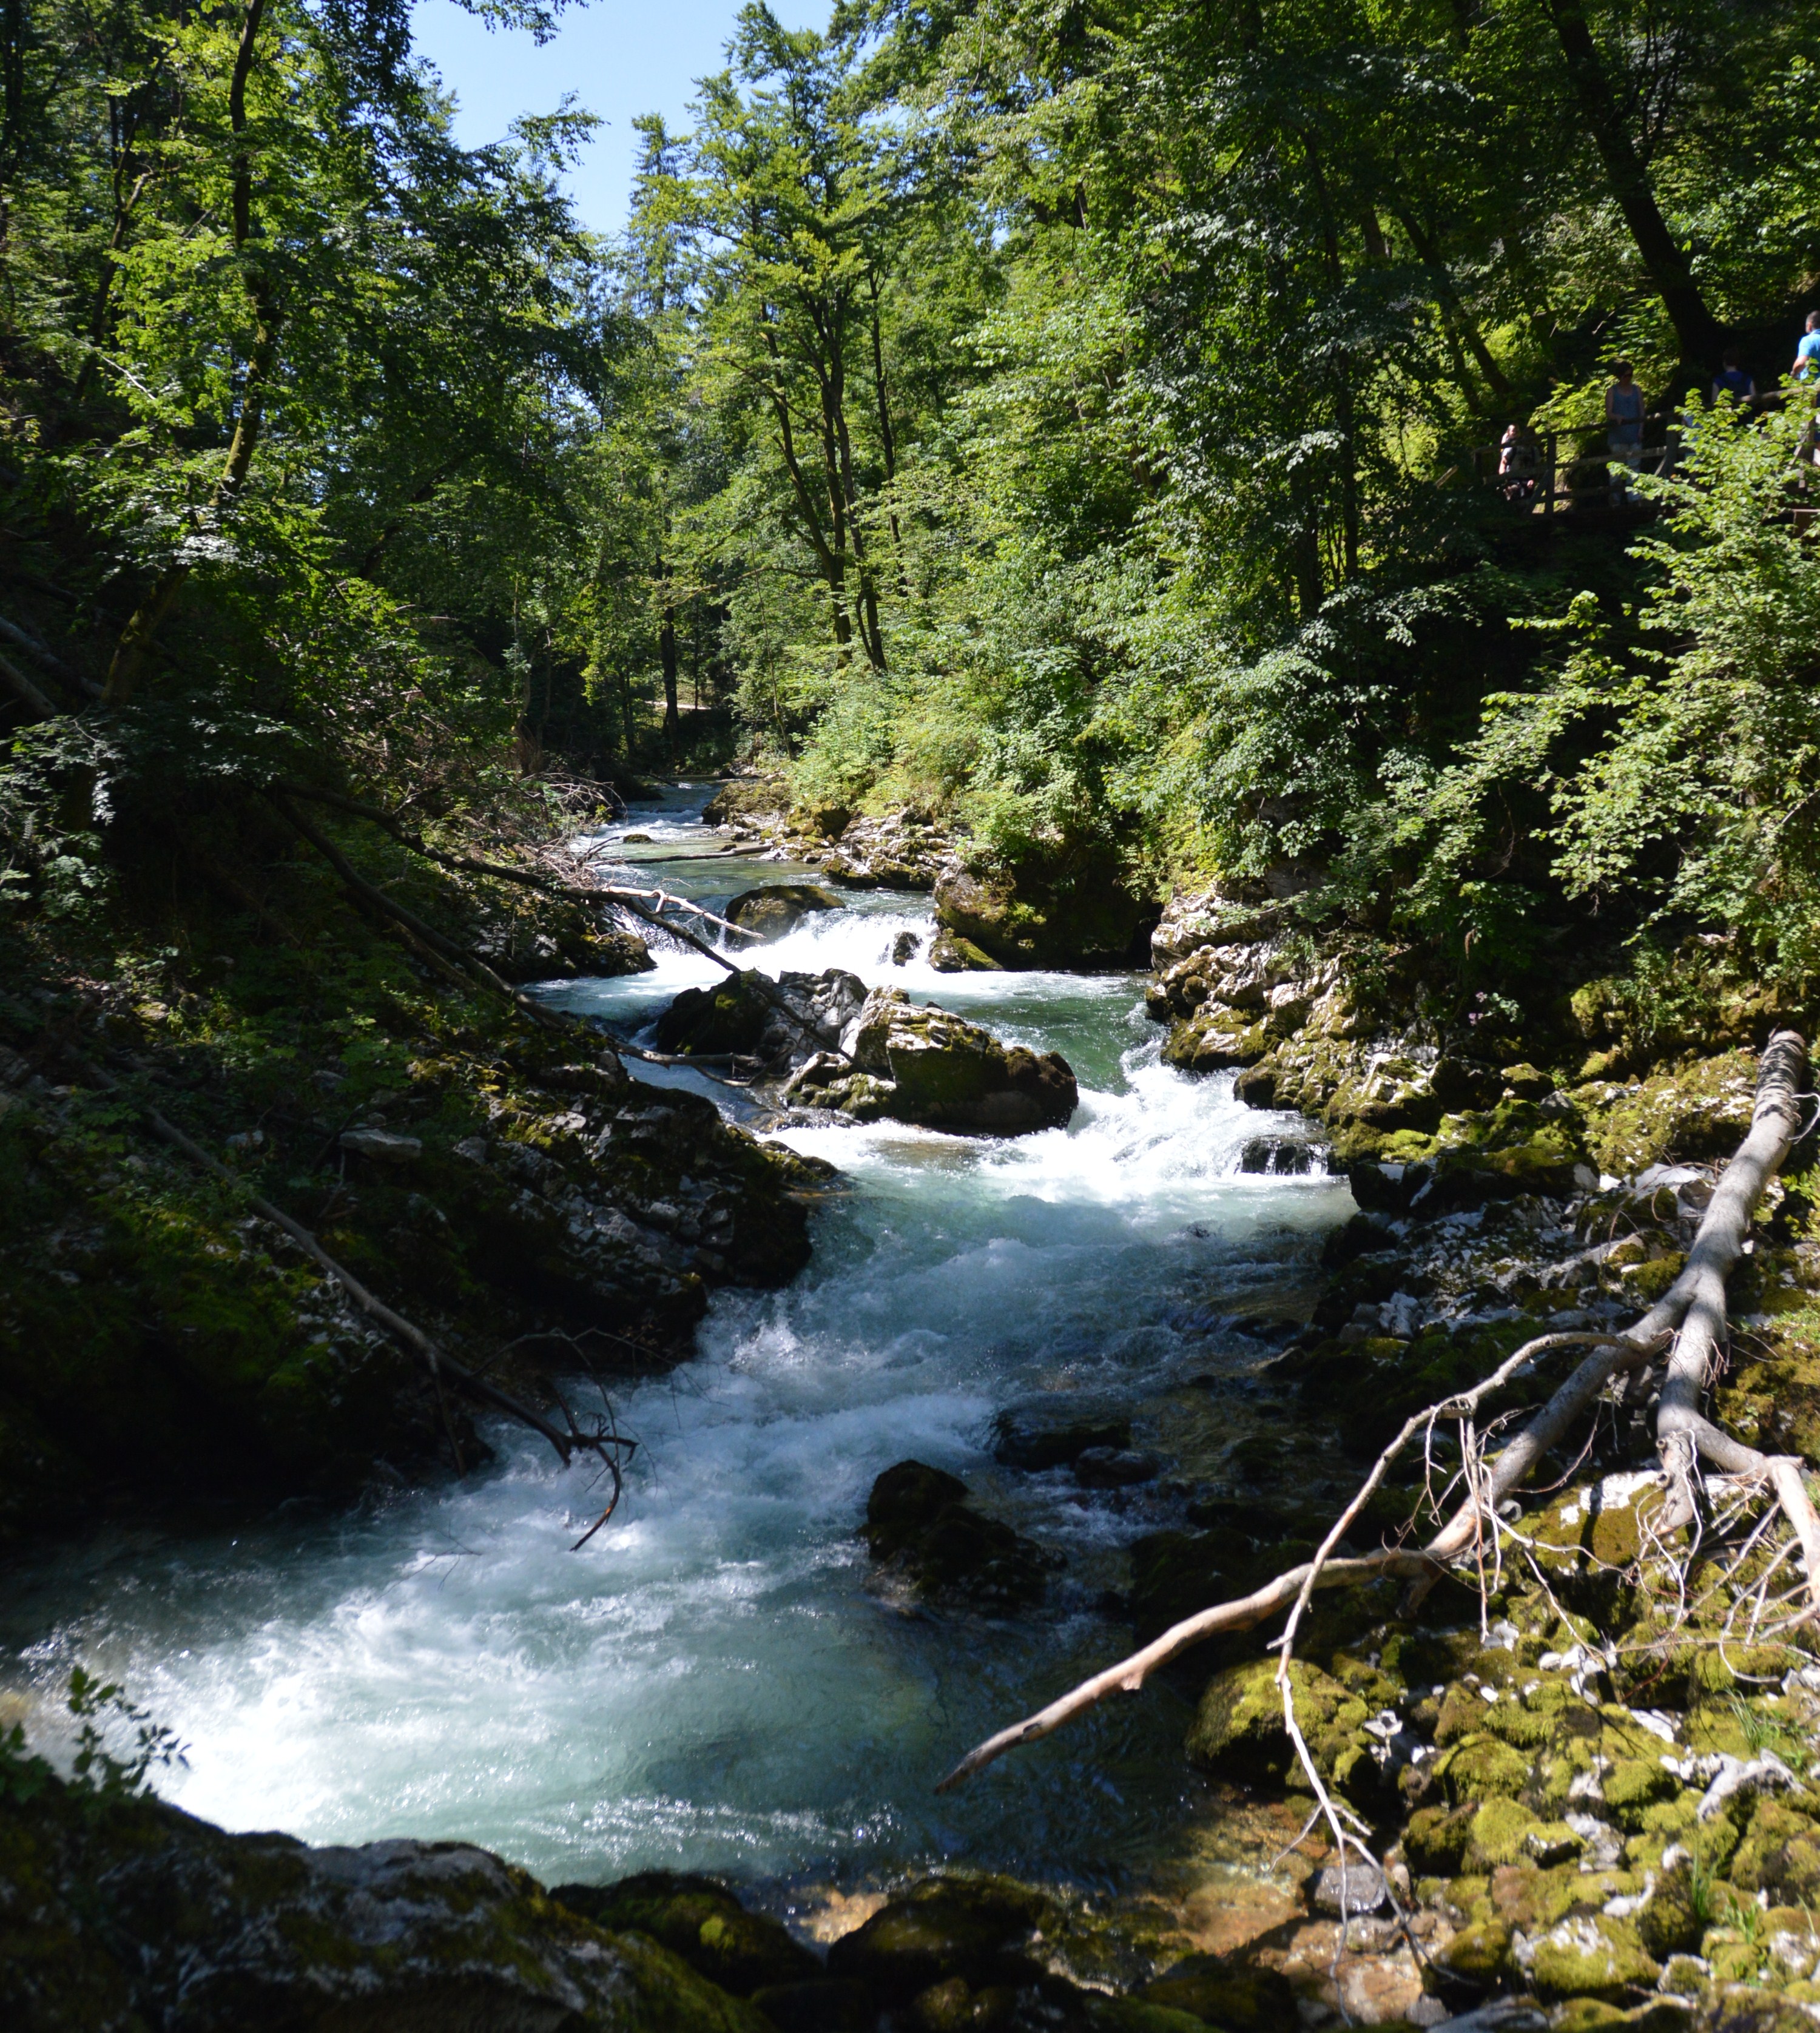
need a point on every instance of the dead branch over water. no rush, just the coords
(1692, 1311)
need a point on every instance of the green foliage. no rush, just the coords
(102, 1714)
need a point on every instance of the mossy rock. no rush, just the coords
(1215, 1038)
(948, 1074)
(700, 1920)
(919, 1524)
(1779, 1853)
(1238, 1997)
(1691, 1114)
(1591, 1955)
(1669, 1923)
(1498, 1833)
(779, 907)
(1635, 1783)
(1479, 1952)
(1587, 2015)
(950, 954)
(1075, 909)
(979, 1930)
(1481, 1768)
(1434, 1840)
(1238, 1730)
(220, 1933)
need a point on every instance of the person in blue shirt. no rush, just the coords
(1807, 353)
(1732, 383)
(1623, 424)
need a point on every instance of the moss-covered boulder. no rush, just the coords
(700, 1920)
(779, 907)
(1590, 1955)
(1237, 1996)
(949, 953)
(921, 1527)
(915, 1063)
(981, 1930)
(1690, 1113)
(779, 1023)
(123, 1913)
(1238, 1730)
(747, 798)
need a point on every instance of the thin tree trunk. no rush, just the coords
(1455, 312)
(667, 652)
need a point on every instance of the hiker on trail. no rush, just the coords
(1624, 424)
(1807, 354)
(1731, 385)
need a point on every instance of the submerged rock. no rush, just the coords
(779, 907)
(700, 1920)
(1026, 1440)
(915, 1063)
(919, 1524)
(119, 1912)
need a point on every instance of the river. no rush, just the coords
(714, 1684)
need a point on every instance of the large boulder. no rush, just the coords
(920, 1526)
(122, 1912)
(782, 1023)
(912, 1063)
(779, 907)
(1082, 914)
(747, 798)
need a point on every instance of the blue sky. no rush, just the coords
(619, 57)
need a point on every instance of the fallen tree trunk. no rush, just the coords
(627, 899)
(1716, 1248)
(1682, 1431)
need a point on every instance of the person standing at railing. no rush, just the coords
(1624, 425)
(1807, 366)
(1731, 385)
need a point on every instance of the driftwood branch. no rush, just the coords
(1716, 1248)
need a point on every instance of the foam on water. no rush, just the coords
(711, 1685)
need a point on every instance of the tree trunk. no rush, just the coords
(1695, 327)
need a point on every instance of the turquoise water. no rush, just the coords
(714, 1684)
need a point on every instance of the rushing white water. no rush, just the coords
(712, 1684)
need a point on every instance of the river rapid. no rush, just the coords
(715, 1683)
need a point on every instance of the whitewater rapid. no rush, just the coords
(714, 1684)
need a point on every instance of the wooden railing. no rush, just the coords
(1573, 472)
